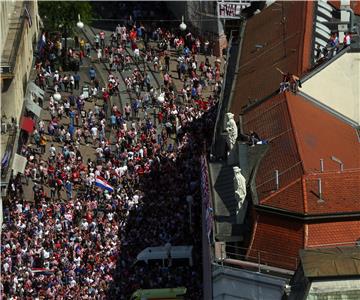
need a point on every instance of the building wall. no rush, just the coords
(13, 89)
(233, 284)
(6, 7)
(346, 289)
(13, 98)
(340, 86)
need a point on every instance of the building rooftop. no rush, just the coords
(300, 134)
(278, 240)
(279, 37)
(325, 262)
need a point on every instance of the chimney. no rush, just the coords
(321, 165)
(339, 162)
(277, 179)
(320, 191)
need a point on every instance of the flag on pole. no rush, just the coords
(42, 42)
(102, 183)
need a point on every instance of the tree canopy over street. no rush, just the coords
(56, 14)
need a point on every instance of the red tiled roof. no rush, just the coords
(290, 194)
(355, 5)
(272, 122)
(258, 77)
(277, 241)
(321, 135)
(320, 235)
(340, 192)
(300, 134)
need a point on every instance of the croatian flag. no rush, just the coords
(102, 183)
(41, 271)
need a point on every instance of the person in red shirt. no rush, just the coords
(160, 117)
(102, 39)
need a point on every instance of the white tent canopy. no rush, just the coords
(19, 164)
(176, 252)
(32, 106)
(33, 88)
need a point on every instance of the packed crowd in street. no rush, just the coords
(77, 236)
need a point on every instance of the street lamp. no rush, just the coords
(80, 24)
(57, 96)
(63, 27)
(182, 25)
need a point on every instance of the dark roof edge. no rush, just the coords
(233, 85)
(328, 109)
(307, 217)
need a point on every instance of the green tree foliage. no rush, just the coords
(64, 13)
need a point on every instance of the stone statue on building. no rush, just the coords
(239, 187)
(231, 129)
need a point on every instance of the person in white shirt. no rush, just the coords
(94, 132)
(136, 54)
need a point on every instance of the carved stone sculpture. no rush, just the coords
(231, 129)
(239, 187)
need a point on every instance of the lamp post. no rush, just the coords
(182, 25)
(57, 96)
(65, 32)
(80, 24)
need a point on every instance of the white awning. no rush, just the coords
(19, 164)
(176, 252)
(33, 107)
(33, 88)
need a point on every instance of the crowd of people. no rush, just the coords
(72, 239)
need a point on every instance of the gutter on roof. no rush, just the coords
(299, 149)
(307, 217)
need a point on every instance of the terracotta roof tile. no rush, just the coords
(319, 135)
(355, 5)
(300, 134)
(268, 45)
(279, 241)
(333, 233)
(291, 194)
(272, 122)
(340, 192)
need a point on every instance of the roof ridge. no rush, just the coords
(297, 141)
(304, 64)
(328, 173)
